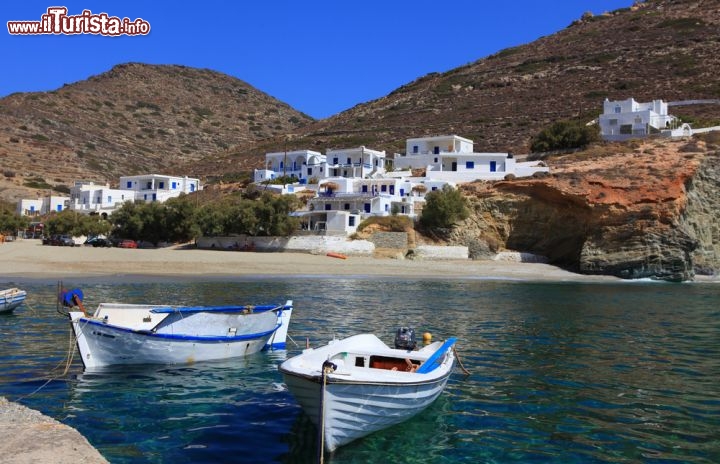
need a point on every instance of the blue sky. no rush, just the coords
(321, 57)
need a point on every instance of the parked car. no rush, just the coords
(96, 242)
(65, 240)
(127, 244)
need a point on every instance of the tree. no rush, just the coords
(127, 222)
(564, 135)
(11, 222)
(444, 208)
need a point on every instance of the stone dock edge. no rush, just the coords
(30, 437)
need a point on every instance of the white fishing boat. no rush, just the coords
(118, 333)
(11, 298)
(352, 387)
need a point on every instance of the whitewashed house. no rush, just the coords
(88, 197)
(155, 187)
(357, 162)
(341, 203)
(424, 151)
(40, 206)
(300, 164)
(308, 165)
(451, 158)
(627, 119)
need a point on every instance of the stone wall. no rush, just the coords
(396, 240)
(440, 252)
(306, 244)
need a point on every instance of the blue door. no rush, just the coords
(493, 166)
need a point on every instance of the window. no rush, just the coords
(364, 189)
(346, 206)
(383, 188)
(436, 150)
(174, 185)
(149, 185)
(618, 110)
(335, 161)
(415, 148)
(349, 160)
(436, 160)
(162, 185)
(613, 122)
(309, 172)
(109, 199)
(471, 164)
(282, 164)
(129, 184)
(327, 206)
(351, 221)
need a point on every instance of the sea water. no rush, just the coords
(558, 372)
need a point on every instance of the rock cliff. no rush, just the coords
(639, 210)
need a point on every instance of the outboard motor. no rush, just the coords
(405, 339)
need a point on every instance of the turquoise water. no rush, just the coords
(559, 373)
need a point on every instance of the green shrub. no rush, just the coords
(444, 208)
(564, 135)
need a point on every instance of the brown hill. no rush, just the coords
(659, 49)
(133, 119)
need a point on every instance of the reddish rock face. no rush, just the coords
(645, 209)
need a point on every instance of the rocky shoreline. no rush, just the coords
(30, 437)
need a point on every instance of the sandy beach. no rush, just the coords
(31, 259)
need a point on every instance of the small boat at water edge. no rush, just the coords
(10, 299)
(352, 387)
(120, 333)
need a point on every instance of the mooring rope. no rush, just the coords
(457, 356)
(67, 361)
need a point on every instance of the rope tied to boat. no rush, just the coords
(328, 367)
(457, 356)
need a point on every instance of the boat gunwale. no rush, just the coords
(178, 337)
(335, 379)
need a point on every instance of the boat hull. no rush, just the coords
(357, 401)
(11, 299)
(171, 337)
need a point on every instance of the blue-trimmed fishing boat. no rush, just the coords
(352, 387)
(11, 298)
(118, 333)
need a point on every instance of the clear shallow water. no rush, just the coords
(560, 372)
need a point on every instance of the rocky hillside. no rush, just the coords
(643, 209)
(658, 49)
(133, 119)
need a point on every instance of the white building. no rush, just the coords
(357, 162)
(626, 119)
(155, 187)
(342, 203)
(451, 158)
(88, 197)
(41, 206)
(307, 165)
(300, 164)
